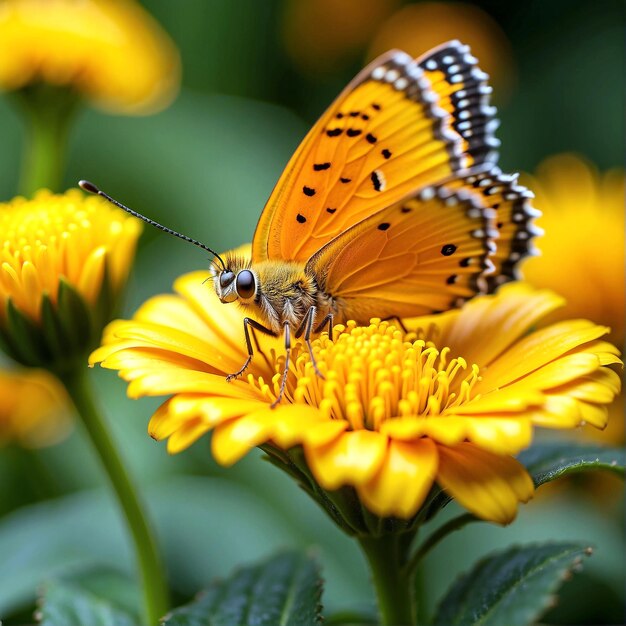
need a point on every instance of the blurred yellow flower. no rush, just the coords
(110, 51)
(34, 409)
(582, 249)
(319, 35)
(64, 260)
(416, 28)
(447, 404)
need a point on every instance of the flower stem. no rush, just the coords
(154, 587)
(394, 587)
(47, 114)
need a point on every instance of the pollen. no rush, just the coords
(375, 373)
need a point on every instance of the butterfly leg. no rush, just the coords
(247, 324)
(283, 382)
(306, 327)
(398, 321)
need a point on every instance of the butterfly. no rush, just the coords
(392, 206)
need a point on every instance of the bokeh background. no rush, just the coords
(255, 77)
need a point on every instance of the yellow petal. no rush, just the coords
(186, 435)
(501, 319)
(501, 435)
(536, 350)
(351, 459)
(488, 485)
(403, 481)
(237, 437)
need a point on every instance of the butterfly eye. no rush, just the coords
(245, 284)
(226, 278)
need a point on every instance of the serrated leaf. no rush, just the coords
(512, 587)
(548, 461)
(284, 591)
(66, 603)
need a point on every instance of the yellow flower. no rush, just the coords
(64, 259)
(111, 51)
(582, 248)
(395, 414)
(419, 27)
(34, 409)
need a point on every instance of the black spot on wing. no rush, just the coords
(331, 211)
(451, 279)
(318, 167)
(300, 218)
(334, 132)
(448, 249)
(308, 191)
(345, 180)
(370, 138)
(376, 181)
(353, 132)
(384, 226)
(386, 153)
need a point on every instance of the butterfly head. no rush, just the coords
(235, 281)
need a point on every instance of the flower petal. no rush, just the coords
(404, 479)
(351, 459)
(537, 350)
(501, 320)
(488, 485)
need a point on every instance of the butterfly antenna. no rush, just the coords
(91, 188)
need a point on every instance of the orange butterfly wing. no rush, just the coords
(416, 257)
(430, 252)
(385, 136)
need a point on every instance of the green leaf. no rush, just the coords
(284, 591)
(512, 587)
(548, 461)
(67, 603)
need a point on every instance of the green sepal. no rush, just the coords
(546, 462)
(284, 590)
(26, 343)
(513, 587)
(74, 317)
(52, 330)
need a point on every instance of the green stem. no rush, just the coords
(394, 587)
(443, 531)
(48, 112)
(154, 588)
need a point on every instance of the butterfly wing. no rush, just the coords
(513, 215)
(463, 92)
(390, 132)
(428, 253)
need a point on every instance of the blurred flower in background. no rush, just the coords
(582, 249)
(64, 261)
(322, 35)
(34, 409)
(56, 53)
(416, 28)
(111, 52)
(393, 415)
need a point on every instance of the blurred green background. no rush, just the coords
(205, 166)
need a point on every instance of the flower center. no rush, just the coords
(377, 372)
